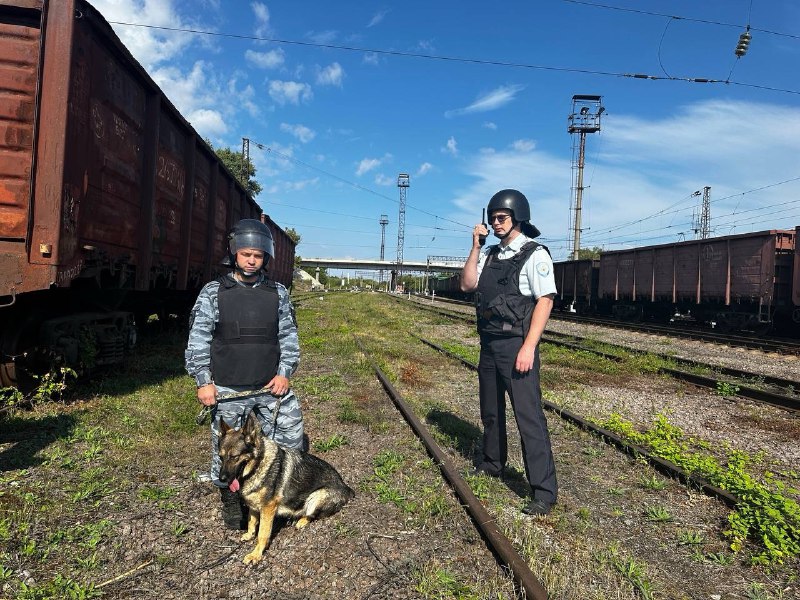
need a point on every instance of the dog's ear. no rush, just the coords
(252, 428)
(224, 427)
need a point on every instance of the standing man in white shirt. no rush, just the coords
(514, 289)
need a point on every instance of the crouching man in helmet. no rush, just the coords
(243, 337)
(514, 289)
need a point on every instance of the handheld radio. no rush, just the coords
(482, 238)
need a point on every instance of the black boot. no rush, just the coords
(234, 512)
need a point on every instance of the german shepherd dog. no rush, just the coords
(277, 481)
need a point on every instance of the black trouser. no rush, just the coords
(497, 375)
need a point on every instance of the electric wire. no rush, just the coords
(351, 183)
(458, 59)
(664, 211)
(677, 17)
(349, 216)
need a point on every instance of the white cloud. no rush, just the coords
(261, 13)
(491, 101)
(330, 75)
(150, 46)
(289, 92)
(424, 168)
(209, 122)
(451, 147)
(381, 179)
(266, 60)
(490, 125)
(377, 18)
(371, 58)
(301, 132)
(523, 145)
(639, 184)
(366, 165)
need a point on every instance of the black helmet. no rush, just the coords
(251, 233)
(517, 203)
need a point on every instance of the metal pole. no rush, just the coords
(579, 198)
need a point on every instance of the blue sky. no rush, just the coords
(342, 98)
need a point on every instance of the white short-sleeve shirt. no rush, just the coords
(536, 276)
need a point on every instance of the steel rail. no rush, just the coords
(485, 522)
(777, 382)
(791, 403)
(778, 346)
(785, 401)
(664, 466)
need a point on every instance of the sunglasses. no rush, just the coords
(499, 218)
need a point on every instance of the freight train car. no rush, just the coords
(111, 205)
(281, 268)
(576, 282)
(448, 286)
(749, 281)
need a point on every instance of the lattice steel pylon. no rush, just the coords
(402, 182)
(705, 215)
(384, 222)
(585, 118)
(245, 160)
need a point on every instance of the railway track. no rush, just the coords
(778, 345)
(783, 393)
(500, 545)
(570, 418)
(667, 468)
(767, 344)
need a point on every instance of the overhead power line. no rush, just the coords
(350, 183)
(668, 210)
(691, 19)
(458, 59)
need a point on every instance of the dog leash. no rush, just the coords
(206, 410)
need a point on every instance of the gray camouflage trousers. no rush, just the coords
(286, 430)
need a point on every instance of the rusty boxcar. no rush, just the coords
(738, 281)
(111, 205)
(576, 282)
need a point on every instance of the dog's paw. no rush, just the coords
(252, 558)
(301, 522)
(248, 536)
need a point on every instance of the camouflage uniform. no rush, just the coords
(287, 429)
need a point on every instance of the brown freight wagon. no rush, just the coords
(576, 282)
(281, 268)
(110, 202)
(796, 279)
(738, 281)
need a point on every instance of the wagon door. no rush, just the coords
(19, 68)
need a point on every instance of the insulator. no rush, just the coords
(744, 43)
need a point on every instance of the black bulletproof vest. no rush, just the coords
(245, 349)
(500, 306)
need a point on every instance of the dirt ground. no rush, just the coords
(101, 497)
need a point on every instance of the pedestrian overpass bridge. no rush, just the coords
(438, 264)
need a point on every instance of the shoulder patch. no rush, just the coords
(543, 269)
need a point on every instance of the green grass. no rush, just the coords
(766, 513)
(335, 441)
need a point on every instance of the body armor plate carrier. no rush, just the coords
(500, 306)
(245, 349)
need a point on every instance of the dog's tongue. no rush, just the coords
(234, 485)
